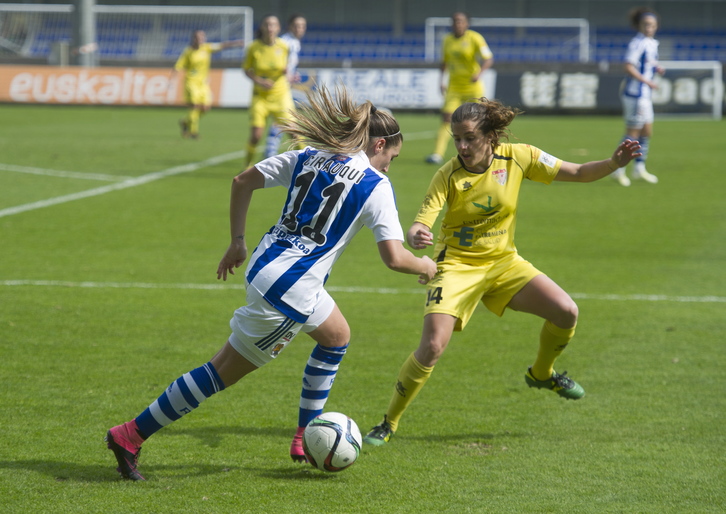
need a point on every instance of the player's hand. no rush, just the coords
(425, 278)
(420, 239)
(626, 152)
(233, 258)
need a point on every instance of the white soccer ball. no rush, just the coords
(332, 441)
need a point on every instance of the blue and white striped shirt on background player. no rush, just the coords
(330, 198)
(642, 53)
(293, 56)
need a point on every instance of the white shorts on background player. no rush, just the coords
(637, 111)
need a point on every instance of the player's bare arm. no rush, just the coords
(397, 258)
(243, 185)
(595, 170)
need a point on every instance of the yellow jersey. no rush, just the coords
(196, 63)
(461, 56)
(268, 61)
(481, 213)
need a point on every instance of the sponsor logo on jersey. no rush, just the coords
(294, 240)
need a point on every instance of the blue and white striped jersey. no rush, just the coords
(330, 197)
(294, 46)
(643, 54)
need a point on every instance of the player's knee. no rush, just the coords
(567, 314)
(430, 350)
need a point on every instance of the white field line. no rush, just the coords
(62, 174)
(132, 182)
(129, 182)
(342, 289)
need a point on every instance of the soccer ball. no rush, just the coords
(332, 441)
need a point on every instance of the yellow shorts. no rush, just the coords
(457, 288)
(455, 96)
(195, 94)
(261, 108)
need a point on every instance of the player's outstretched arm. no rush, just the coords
(397, 258)
(595, 170)
(243, 186)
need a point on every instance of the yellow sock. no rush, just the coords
(193, 121)
(411, 379)
(442, 139)
(552, 341)
(251, 149)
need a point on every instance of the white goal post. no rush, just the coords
(123, 32)
(690, 88)
(433, 32)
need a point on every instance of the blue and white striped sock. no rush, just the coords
(180, 398)
(272, 145)
(318, 379)
(644, 147)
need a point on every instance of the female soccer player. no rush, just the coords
(334, 189)
(641, 66)
(297, 25)
(266, 65)
(475, 252)
(466, 56)
(195, 62)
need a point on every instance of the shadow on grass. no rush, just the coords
(95, 473)
(464, 438)
(214, 436)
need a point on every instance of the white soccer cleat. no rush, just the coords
(640, 173)
(434, 158)
(620, 176)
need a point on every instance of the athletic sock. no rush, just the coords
(644, 147)
(317, 381)
(552, 342)
(180, 398)
(442, 139)
(251, 149)
(193, 121)
(273, 141)
(411, 379)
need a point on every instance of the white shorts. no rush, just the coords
(260, 332)
(637, 111)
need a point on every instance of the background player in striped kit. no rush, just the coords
(296, 28)
(641, 66)
(334, 190)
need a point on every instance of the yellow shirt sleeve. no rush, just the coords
(543, 168)
(435, 199)
(181, 63)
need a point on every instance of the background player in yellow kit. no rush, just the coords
(266, 65)
(195, 61)
(475, 253)
(465, 55)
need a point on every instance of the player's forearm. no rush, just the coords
(243, 185)
(397, 258)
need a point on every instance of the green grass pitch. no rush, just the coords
(108, 293)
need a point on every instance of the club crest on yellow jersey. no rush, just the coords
(500, 176)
